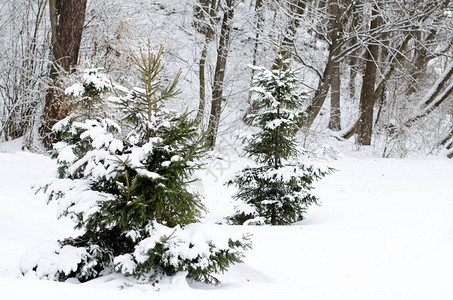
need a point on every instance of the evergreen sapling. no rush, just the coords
(88, 93)
(277, 191)
(131, 196)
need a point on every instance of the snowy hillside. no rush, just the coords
(384, 231)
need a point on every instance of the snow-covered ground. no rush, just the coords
(384, 231)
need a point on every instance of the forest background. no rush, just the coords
(377, 71)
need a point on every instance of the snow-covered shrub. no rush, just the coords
(277, 190)
(131, 197)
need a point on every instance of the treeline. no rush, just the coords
(376, 70)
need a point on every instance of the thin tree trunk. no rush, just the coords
(335, 84)
(384, 52)
(335, 113)
(447, 142)
(253, 106)
(202, 103)
(352, 74)
(333, 62)
(396, 59)
(422, 57)
(259, 24)
(320, 95)
(210, 7)
(219, 76)
(369, 80)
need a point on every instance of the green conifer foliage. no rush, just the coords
(88, 93)
(277, 191)
(132, 197)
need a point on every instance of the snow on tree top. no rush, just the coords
(98, 80)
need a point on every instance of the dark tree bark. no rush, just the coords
(337, 43)
(447, 143)
(320, 95)
(335, 84)
(395, 61)
(67, 27)
(219, 76)
(433, 9)
(335, 113)
(259, 24)
(67, 18)
(369, 80)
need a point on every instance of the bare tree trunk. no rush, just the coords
(259, 24)
(435, 97)
(320, 95)
(447, 143)
(369, 80)
(334, 59)
(335, 84)
(422, 57)
(384, 52)
(219, 76)
(202, 80)
(352, 74)
(335, 113)
(67, 18)
(205, 9)
(253, 106)
(352, 60)
(448, 139)
(396, 59)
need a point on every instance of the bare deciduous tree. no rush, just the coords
(219, 76)
(67, 18)
(23, 44)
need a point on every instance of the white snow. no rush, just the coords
(66, 153)
(384, 231)
(90, 77)
(50, 258)
(75, 90)
(149, 174)
(94, 77)
(176, 158)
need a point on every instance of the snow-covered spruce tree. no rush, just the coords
(88, 93)
(132, 197)
(277, 191)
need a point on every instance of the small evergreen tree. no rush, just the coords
(277, 190)
(88, 93)
(132, 197)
